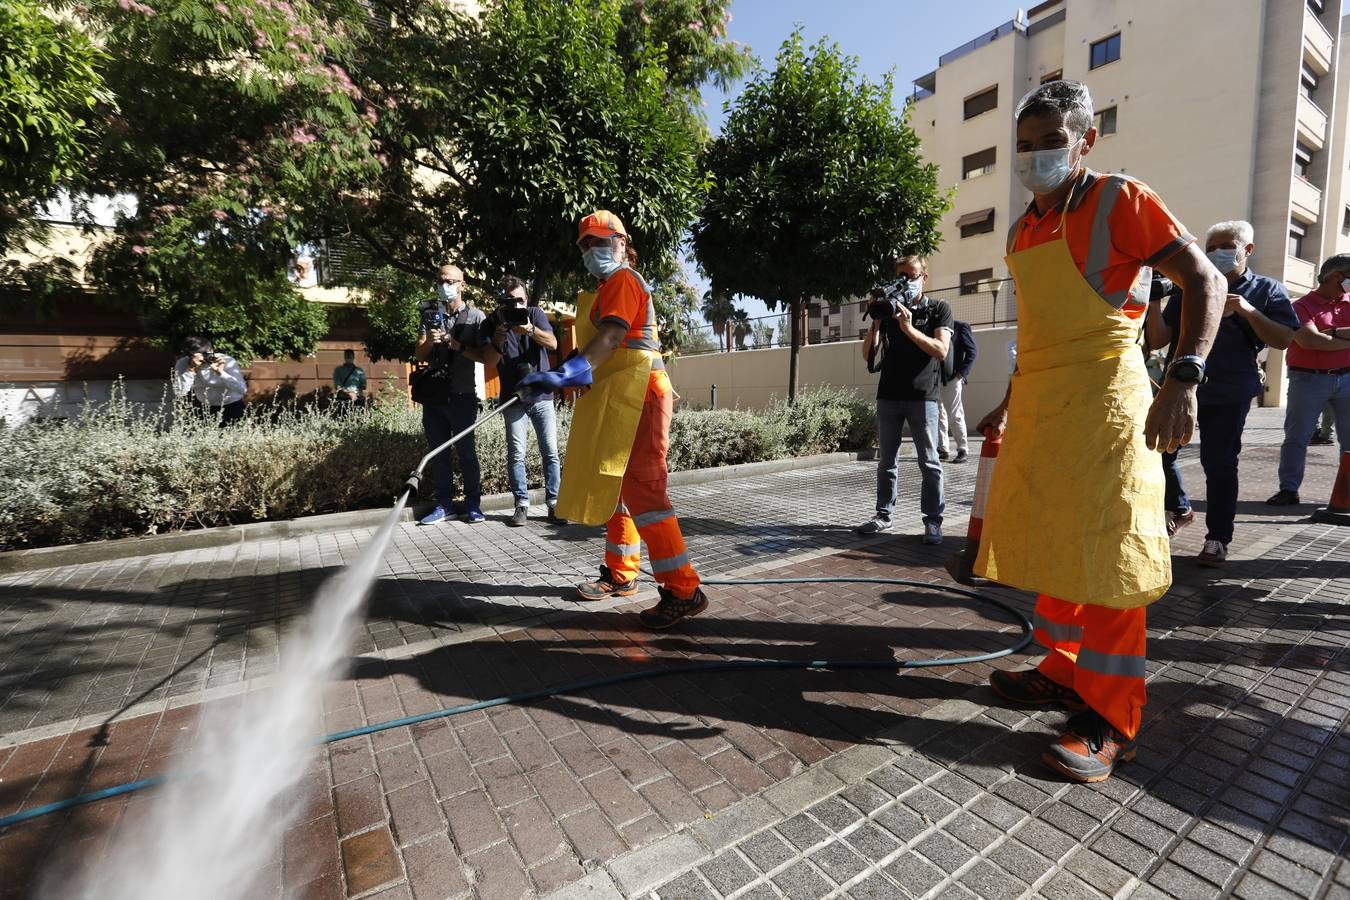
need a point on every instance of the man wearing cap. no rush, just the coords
(615, 468)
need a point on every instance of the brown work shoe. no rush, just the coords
(1089, 749)
(671, 609)
(606, 586)
(1030, 688)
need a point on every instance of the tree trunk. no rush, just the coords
(795, 348)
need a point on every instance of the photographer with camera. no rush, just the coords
(213, 379)
(914, 333)
(445, 385)
(521, 340)
(349, 381)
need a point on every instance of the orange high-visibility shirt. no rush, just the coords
(1140, 231)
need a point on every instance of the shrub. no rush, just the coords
(117, 470)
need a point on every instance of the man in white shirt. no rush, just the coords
(214, 379)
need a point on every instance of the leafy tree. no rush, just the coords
(817, 185)
(676, 304)
(507, 129)
(740, 327)
(236, 123)
(50, 84)
(763, 334)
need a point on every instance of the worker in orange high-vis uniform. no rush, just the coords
(615, 468)
(1075, 508)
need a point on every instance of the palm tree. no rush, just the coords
(718, 311)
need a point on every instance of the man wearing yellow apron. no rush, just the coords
(1075, 509)
(615, 468)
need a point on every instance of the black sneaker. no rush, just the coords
(519, 517)
(1283, 498)
(961, 456)
(943, 454)
(556, 519)
(670, 609)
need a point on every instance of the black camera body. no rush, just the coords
(433, 315)
(1160, 287)
(886, 299)
(514, 315)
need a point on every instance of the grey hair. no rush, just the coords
(1338, 263)
(1067, 98)
(1238, 228)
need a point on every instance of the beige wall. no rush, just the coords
(751, 379)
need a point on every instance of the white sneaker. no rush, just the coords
(1212, 554)
(932, 533)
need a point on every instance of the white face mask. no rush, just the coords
(448, 293)
(1224, 260)
(1041, 171)
(1345, 285)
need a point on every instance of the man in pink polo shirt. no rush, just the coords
(1319, 372)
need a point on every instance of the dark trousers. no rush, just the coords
(229, 413)
(1174, 491)
(1221, 427)
(442, 421)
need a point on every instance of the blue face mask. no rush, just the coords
(1224, 259)
(448, 293)
(1041, 171)
(600, 262)
(913, 290)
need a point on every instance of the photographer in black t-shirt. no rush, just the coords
(521, 340)
(912, 334)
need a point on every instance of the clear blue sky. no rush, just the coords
(906, 36)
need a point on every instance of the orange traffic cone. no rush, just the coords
(1337, 511)
(961, 566)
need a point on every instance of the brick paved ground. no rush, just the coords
(800, 784)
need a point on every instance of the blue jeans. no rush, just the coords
(1221, 427)
(1174, 490)
(546, 430)
(441, 422)
(922, 416)
(1308, 393)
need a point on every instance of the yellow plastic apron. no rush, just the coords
(604, 423)
(1075, 505)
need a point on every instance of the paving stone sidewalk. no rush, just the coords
(859, 783)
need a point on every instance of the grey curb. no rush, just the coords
(123, 548)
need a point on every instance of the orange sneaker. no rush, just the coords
(1089, 749)
(671, 609)
(606, 586)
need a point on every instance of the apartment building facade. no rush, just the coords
(1229, 110)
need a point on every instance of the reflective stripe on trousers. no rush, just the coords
(645, 512)
(1099, 652)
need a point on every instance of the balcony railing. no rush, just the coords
(1318, 42)
(1312, 122)
(1305, 198)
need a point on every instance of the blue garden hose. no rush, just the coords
(576, 687)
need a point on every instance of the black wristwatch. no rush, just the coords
(1187, 370)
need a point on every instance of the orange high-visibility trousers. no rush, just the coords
(1099, 652)
(645, 512)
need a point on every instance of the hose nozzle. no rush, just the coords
(413, 483)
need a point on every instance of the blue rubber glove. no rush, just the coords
(574, 372)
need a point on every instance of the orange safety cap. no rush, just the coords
(601, 223)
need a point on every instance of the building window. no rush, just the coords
(1303, 155)
(834, 309)
(982, 102)
(834, 333)
(813, 310)
(862, 306)
(974, 223)
(1057, 75)
(1308, 82)
(1105, 121)
(1317, 6)
(1107, 50)
(970, 281)
(977, 164)
(1345, 221)
(1297, 232)
(813, 335)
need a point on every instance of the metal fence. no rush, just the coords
(985, 304)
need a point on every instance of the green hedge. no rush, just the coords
(116, 471)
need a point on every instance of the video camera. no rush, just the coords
(507, 311)
(887, 298)
(434, 316)
(1160, 288)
